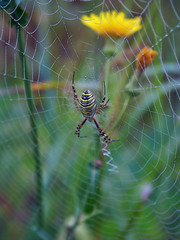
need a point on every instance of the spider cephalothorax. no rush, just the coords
(88, 107)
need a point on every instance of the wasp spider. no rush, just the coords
(88, 107)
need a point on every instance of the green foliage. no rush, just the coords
(19, 16)
(81, 198)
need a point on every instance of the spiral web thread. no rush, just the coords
(143, 191)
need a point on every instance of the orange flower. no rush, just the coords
(145, 57)
(112, 23)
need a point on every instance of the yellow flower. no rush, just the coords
(112, 23)
(145, 57)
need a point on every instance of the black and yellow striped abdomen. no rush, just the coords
(87, 104)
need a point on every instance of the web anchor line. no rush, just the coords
(107, 153)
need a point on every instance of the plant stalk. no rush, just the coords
(34, 133)
(130, 94)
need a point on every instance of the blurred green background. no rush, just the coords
(54, 185)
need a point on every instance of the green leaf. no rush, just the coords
(19, 16)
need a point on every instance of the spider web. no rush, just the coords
(133, 192)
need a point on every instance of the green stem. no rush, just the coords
(34, 134)
(70, 233)
(107, 72)
(126, 103)
(130, 94)
(91, 188)
(71, 229)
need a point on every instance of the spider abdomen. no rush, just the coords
(87, 104)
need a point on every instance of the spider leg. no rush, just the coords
(102, 107)
(76, 99)
(104, 97)
(101, 131)
(79, 127)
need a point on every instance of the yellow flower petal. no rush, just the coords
(145, 57)
(112, 23)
